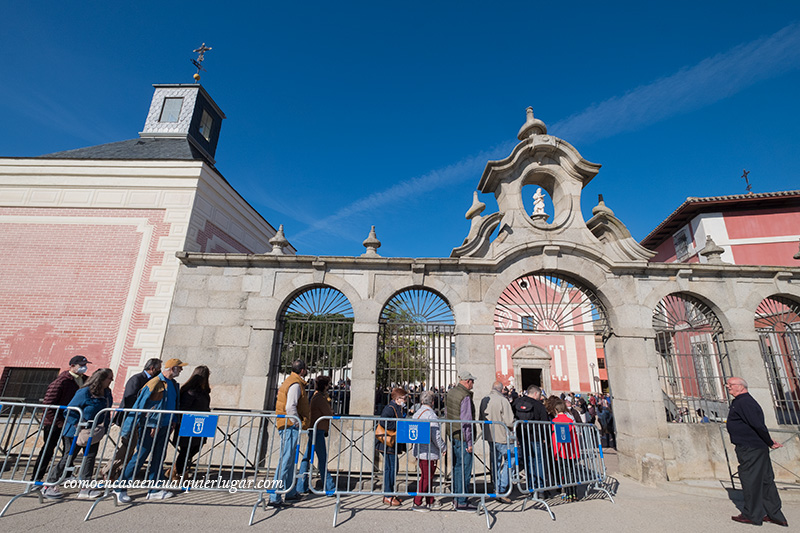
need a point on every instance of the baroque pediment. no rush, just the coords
(556, 168)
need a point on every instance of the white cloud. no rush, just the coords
(688, 89)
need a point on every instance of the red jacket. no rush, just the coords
(59, 392)
(569, 450)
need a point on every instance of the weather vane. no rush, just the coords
(201, 53)
(749, 187)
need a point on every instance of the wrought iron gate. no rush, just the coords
(416, 347)
(317, 327)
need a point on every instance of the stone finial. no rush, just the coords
(532, 126)
(476, 208)
(797, 255)
(371, 243)
(712, 252)
(601, 208)
(278, 242)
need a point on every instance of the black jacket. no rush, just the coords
(526, 408)
(746, 423)
(132, 388)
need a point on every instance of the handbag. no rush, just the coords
(384, 436)
(83, 435)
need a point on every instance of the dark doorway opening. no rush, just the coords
(530, 376)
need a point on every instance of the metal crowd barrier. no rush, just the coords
(354, 456)
(28, 447)
(790, 438)
(554, 457)
(186, 451)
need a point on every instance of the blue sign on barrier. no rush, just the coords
(413, 432)
(198, 425)
(562, 433)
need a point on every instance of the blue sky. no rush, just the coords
(342, 115)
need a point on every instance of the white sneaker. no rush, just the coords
(160, 495)
(90, 494)
(122, 497)
(52, 493)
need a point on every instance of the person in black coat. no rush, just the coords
(753, 442)
(395, 409)
(531, 437)
(195, 396)
(113, 468)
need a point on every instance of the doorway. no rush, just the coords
(530, 376)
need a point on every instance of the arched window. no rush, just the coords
(416, 347)
(694, 362)
(549, 303)
(317, 327)
(562, 319)
(777, 321)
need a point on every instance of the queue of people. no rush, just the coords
(143, 437)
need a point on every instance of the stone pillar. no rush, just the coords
(638, 406)
(744, 350)
(255, 381)
(365, 353)
(475, 353)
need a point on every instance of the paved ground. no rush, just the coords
(705, 508)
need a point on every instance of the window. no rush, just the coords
(601, 363)
(171, 110)
(681, 245)
(27, 384)
(205, 125)
(527, 323)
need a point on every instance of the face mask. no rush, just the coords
(81, 370)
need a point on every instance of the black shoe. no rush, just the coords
(296, 498)
(742, 519)
(279, 504)
(781, 523)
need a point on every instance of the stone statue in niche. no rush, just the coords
(538, 202)
(538, 206)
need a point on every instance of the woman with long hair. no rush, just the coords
(195, 396)
(94, 396)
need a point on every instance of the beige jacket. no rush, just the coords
(498, 410)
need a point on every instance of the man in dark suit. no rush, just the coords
(151, 369)
(752, 440)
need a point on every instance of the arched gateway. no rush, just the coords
(529, 273)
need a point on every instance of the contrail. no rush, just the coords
(711, 80)
(435, 179)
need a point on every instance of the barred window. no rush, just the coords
(694, 362)
(777, 321)
(26, 384)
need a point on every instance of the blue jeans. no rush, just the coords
(303, 481)
(285, 471)
(389, 471)
(462, 470)
(534, 465)
(500, 467)
(156, 445)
